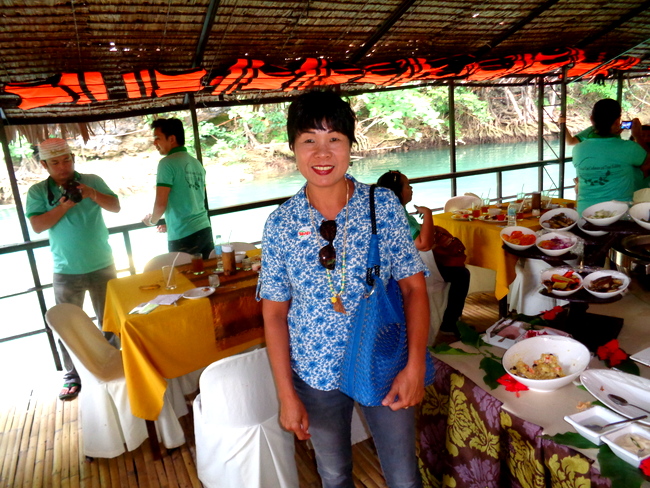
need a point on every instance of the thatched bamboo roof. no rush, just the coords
(43, 38)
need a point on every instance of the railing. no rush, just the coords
(125, 230)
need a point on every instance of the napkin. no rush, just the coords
(168, 299)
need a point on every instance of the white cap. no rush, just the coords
(53, 148)
(226, 248)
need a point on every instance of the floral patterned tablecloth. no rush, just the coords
(468, 440)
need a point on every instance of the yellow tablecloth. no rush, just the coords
(174, 340)
(484, 246)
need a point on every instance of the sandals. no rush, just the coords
(70, 391)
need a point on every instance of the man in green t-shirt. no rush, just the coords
(69, 206)
(180, 192)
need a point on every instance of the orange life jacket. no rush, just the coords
(154, 83)
(250, 74)
(623, 63)
(78, 88)
(400, 71)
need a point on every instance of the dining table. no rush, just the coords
(472, 435)
(483, 243)
(173, 340)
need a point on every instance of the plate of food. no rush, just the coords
(200, 292)
(492, 219)
(462, 216)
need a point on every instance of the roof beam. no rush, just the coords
(208, 22)
(614, 25)
(381, 30)
(515, 28)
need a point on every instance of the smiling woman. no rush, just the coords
(315, 247)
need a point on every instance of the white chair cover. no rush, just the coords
(524, 293)
(461, 202)
(437, 291)
(236, 247)
(161, 260)
(106, 419)
(239, 441)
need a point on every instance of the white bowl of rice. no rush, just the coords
(571, 357)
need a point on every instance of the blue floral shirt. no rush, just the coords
(291, 271)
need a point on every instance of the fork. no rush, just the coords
(600, 428)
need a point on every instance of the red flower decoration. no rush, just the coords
(612, 353)
(645, 466)
(511, 384)
(552, 313)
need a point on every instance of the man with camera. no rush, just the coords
(69, 205)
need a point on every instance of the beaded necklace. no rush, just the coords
(336, 299)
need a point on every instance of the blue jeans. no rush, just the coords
(330, 417)
(71, 288)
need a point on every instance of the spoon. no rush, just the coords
(624, 403)
(600, 428)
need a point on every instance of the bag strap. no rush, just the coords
(373, 270)
(373, 218)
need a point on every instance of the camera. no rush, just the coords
(626, 124)
(71, 191)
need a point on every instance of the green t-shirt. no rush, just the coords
(607, 169)
(414, 225)
(185, 213)
(79, 241)
(587, 133)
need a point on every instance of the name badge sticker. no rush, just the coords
(304, 233)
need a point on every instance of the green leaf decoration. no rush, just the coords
(493, 371)
(469, 336)
(571, 439)
(444, 348)
(627, 366)
(617, 470)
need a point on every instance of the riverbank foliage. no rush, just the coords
(254, 137)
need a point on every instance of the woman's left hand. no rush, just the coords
(407, 389)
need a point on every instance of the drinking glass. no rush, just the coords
(197, 263)
(169, 277)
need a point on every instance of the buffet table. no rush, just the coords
(471, 435)
(174, 340)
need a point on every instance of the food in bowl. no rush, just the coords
(567, 281)
(606, 284)
(547, 367)
(572, 356)
(558, 221)
(603, 214)
(556, 244)
(518, 238)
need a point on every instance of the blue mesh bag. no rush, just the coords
(377, 348)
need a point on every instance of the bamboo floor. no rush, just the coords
(40, 442)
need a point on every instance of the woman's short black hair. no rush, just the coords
(171, 127)
(604, 114)
(393, 181)
(320, 110)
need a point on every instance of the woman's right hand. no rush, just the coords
(294, 418)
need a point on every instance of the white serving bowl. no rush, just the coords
(641, 211)
(239, 256)
(547, 274)
(569, 212)
(493, 211)
(595, 233)
(510, 230)
(595, 415)
(619, 209)
(606, 272)
(631, 457)
(556, 235)
(572, 356)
